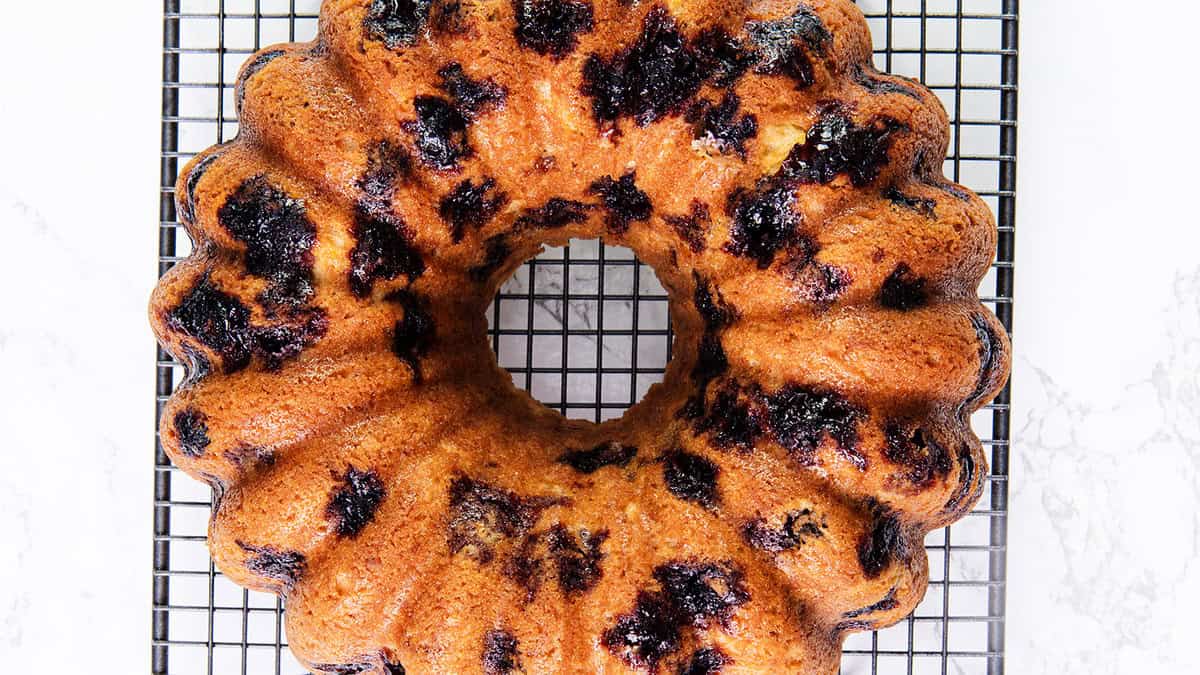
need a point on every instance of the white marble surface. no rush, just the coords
(1104, 532)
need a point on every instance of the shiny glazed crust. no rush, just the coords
(379, 470)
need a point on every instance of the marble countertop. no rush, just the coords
(1104, 534)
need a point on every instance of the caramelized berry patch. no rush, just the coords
(196, 365)
(414, 333)
(393, 667)
(496, 253)
(250, 455)
(623, 200)
(715, 312)
(469, 205)
(187, 203)
(711, 361)
(797, 528)
(903, 290)
(647, 634)
(398, 23)
(388, 165)
(692, 227)
(355, 501)
(989, 356)
(648, 80)
(556, 212)
(278, 343)
(447, 17)
(706, 661)
(471, 97)
(440, 133)
(500, 653)
(609, 453)
(835, 145)
(278, 236)
(552, 27)
(576, 559)
(966, 478)
(822, 284)
(721, 127)
(723, 58)
(882, 544)
(888, 603)
(924, 459)
(344, 668)
(481, 516)
(921, 205)
(801, 417)
(192, 428)
(691, 478)
(702, 592)
(383, 249)
(785, 45)
(764, 221)
(876, 83)
(284, 567)
(731, 421)
(216, 320)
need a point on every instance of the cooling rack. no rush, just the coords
(585, 329)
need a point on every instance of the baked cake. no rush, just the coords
(373, 464)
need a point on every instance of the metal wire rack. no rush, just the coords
(585, 330)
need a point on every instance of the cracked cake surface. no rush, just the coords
(417, 512)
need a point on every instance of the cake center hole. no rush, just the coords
(584, 328)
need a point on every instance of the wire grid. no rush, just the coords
(585, 329)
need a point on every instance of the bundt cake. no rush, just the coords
(374, 465)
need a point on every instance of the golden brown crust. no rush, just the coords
(380, 470)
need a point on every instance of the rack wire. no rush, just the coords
(585, 329)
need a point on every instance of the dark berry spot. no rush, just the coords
(440, 133)
(496, 252)
(481, 516)
(715, 312)
(500, 654)
(903, 290)
(882, 544)
(470, 96)
(577, 560)
(921, 205)
(393, 667)
(702, 592)
(930, 174)
(556, 212)
(706, 661)
(448, 18)
(785, 44)
(552, 27)
(711, 361)
(648, 80)
(278, 237)
(966, 478)
(219, 488)
(192, 428)
(989, 357)
(388, 165)
(469, 205)
(692, 227)
(876, 83)
(251, 69)
(383, 249)
(284, 567)
(623, 200)
(397, 23)
(343, 668)
(355, 501)
(187, 203)
(216, 320)
(888, 603)
(196, 364)
(835, 145)
(822, 284)
(414, 333)
(921, 455)
(731, 421)
(693, 594)
(796, 529)
(645, 635)
(609, 453)
(721, 127)
(764, 221)
(278, 343)
(722, 57)
(250, 455)
(691, 478)
(801, 417)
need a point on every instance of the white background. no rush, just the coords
(1104, 533)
